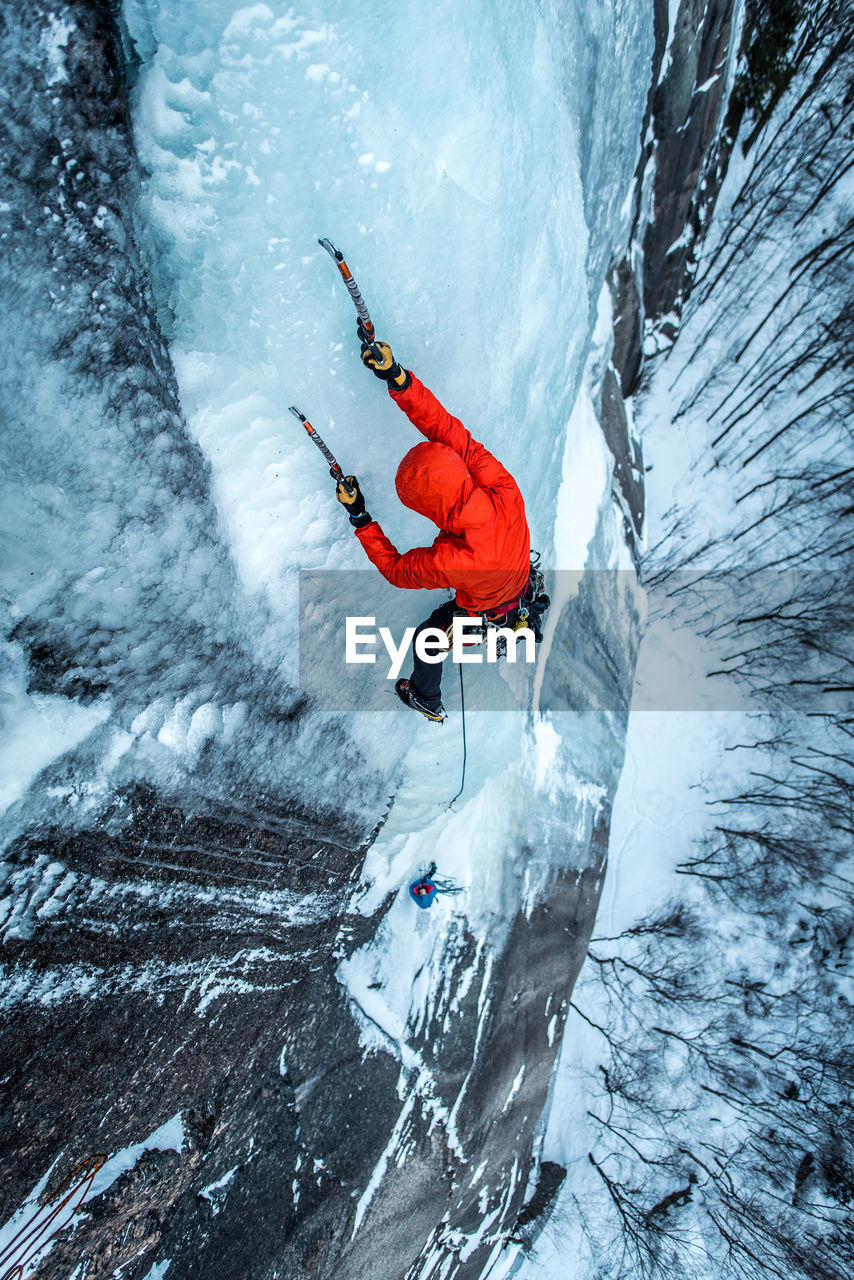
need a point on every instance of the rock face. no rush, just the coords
(165, 1027)
(172, 946)
(683, 160)
(628, 471)
(628, 326)
(691, 154)
(684, 156)
(197, 1004)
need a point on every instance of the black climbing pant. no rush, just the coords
(426, 678)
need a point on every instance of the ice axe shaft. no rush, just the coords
(353, 289)
(334, 465)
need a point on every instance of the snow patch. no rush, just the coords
(158, 1270)
(243, 20)
(54, 40)
(169, 1136)
(36, 729)
(213, 1191)
(514, 1089)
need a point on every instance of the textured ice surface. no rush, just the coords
(461, 163)
(456, 161)
(254, 152)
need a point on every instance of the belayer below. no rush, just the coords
(426, 888)
(423, 891)
(483, 549)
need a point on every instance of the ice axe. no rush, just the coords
(358, 301)
(334, 466)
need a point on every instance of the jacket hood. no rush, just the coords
(434, 481)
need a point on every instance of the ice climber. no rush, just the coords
(483, 549)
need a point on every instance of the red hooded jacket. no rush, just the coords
(483, 550)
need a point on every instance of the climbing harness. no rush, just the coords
(525, 612)
(367, 326)
(334, 467)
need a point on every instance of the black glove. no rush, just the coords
(380, 360)
(353, 501)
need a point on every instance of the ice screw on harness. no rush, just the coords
(353, 289)
(334, 467)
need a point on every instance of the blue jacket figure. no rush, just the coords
(423, 891)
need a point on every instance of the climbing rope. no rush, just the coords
(49, 1219)
(463, 719)
(442, 884)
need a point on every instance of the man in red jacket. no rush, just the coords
(483, 550)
